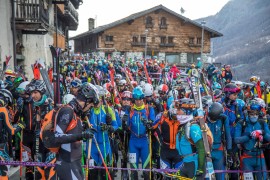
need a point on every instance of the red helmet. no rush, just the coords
(163, 88)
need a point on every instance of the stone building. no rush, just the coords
(34, 23)
(158, 31)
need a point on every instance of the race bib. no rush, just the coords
(132, 157)
(162, 165)
(248, 176)
(25, 156)
(91, 163)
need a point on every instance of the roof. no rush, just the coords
(142, 13)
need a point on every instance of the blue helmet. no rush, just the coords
(216, 85)
(262, 83)
(137, 93)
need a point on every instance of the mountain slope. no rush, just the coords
(245, 45)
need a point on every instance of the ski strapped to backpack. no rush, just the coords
(195, 89)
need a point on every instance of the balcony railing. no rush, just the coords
(70, 9)
(138, 43)
(166, 44)
(31, 11)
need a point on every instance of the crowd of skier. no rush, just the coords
(141, 114)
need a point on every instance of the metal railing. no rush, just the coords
(32, 11)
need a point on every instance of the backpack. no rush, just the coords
(48, 128)
(208, 133)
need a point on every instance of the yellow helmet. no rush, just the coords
(10, 73)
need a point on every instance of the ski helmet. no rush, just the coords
(6, 94)
(67, 98)
(122, 82)
(186, 104)
(76, 83)
(231, 89)
(163, 89)
(87, 94)
(21, 89)
(3, 85)
(206, 101)
(126, 94)
(262, 84)
(137, 93)
(173, 93)
(216, 85)
(37, 85)
(217, 93)
(101, 91)
(254, 79)
(118, 76)
(239, 83)
(148, 89)
(10, 73)
(215, 110)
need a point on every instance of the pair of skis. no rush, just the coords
(195, 89)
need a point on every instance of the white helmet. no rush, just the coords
(148, 89)
(23, 85)
(67, 98)
(101, 90)
(173, 93)
(94, 87)
(122, 82)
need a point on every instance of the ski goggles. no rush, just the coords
(126, 99)
(20, 90)
(74, 84)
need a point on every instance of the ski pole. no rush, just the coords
(88, 152)
(103, 162)
(150, 145)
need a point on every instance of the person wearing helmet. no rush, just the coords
(41, 106)
(251, 133)
(148, 91)
(67, 98)
(103, 119)
(234, 109)
(163, 90)
(189, 141)
(74, 86)
(217, 95)
(139, 120)
(256, 88)
(69, 133)
(7, 130)
(226, 74)
(122, 85)
(25, 114)
(9, 78)
(216, 85)
(117, 78)
(218, 123)
(168, 124)
(174, 71)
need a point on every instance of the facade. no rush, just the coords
(35, 23)
(157, 31)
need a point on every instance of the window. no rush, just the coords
(163, 21)
(149, 20)
(199, 40)
(191, 40)
(135, 39)
(170, 40)
(143, 39)
(163, 40)
(109, 38)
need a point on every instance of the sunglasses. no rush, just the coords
(126, 99)
(74, 84)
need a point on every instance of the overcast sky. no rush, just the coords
(107, 11)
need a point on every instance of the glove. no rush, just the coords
(20, 126)
(199, 174)
(255, 134)
(105, 127)
(125, 118)
(88, 133)
(108, 119)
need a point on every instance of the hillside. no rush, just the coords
(245, 45)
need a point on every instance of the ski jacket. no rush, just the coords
(97, 117)
(227, 75)
(217, 131)
(174, 70)
(242, 136)
(135, 120)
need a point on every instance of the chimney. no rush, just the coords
(91, 24)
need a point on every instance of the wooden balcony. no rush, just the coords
(32, 16)
(61, 41)
(71, 16)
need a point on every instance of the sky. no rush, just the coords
(107, 11)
